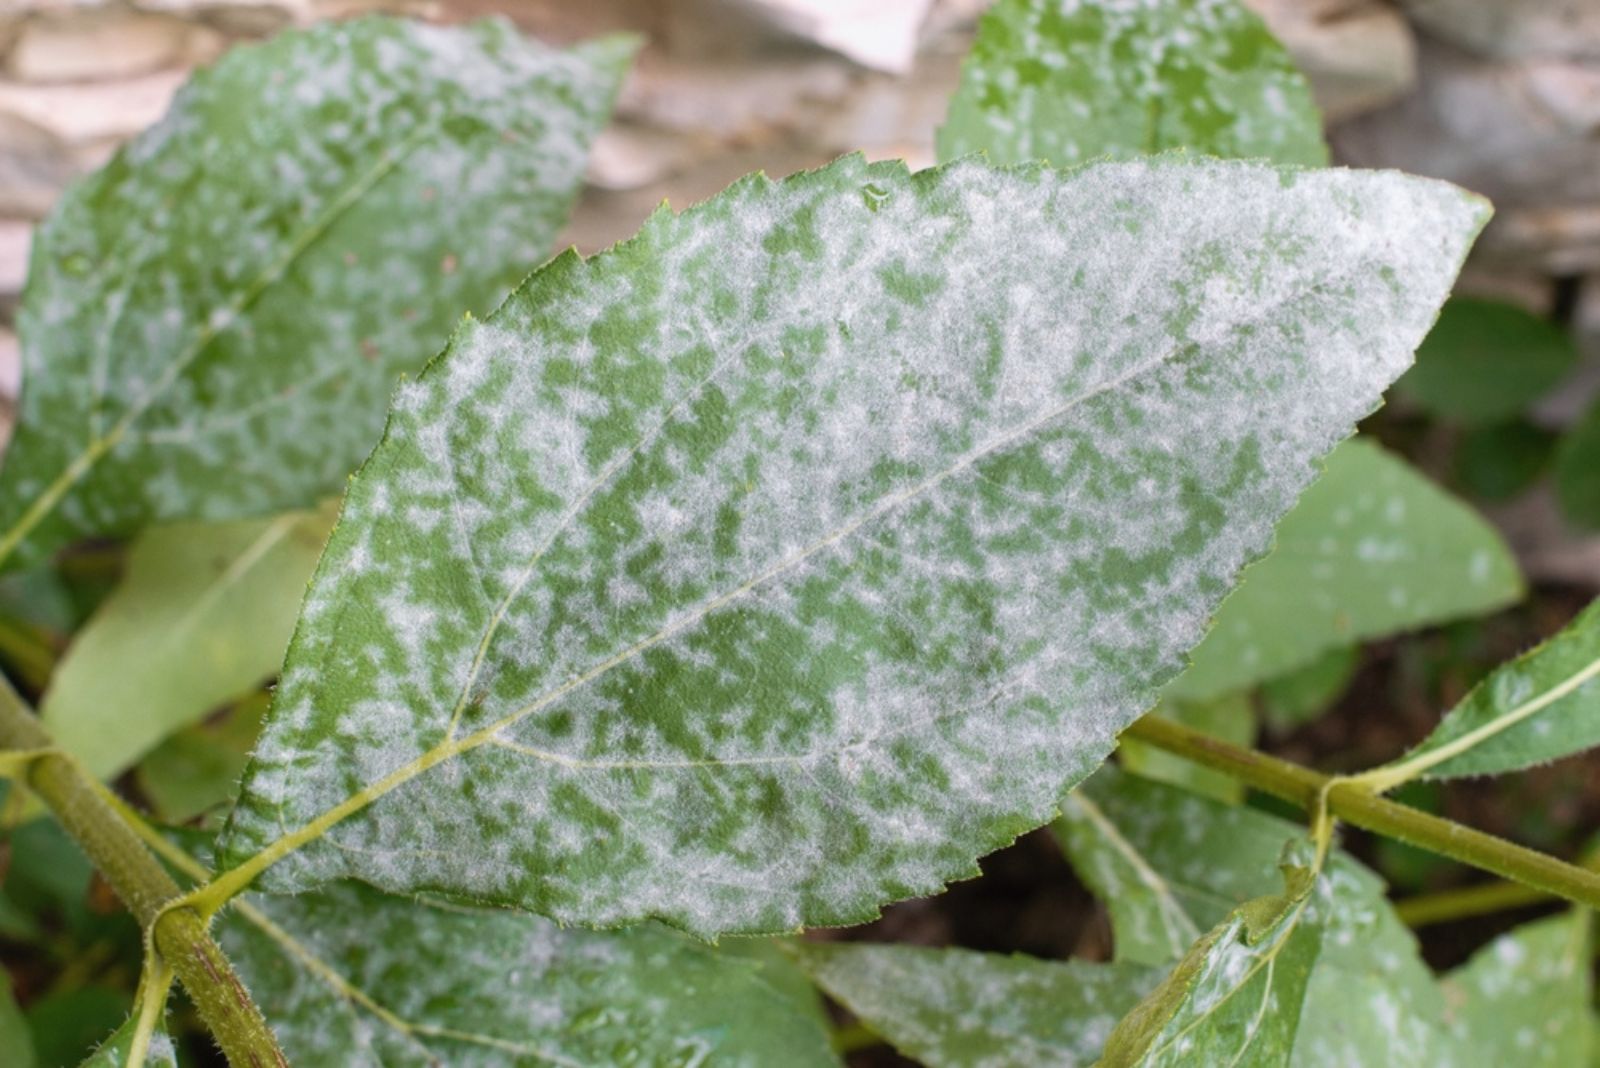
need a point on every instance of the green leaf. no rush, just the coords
(783, 560)
(1540, 707)
(1169, 865)
(198, 769)
(778, 969)
(1578, 471)
(116, 1050)
(1498, 462)
(213, 320)
(202, 617)
(67, 1022)
(1230, 718)
(955, 1008)
(1372, 549)
(16, 1042)
(1524, 999)
(1304, 694)
(1236, 997)
(351, 976)
(1073, 80)
(1486, 361)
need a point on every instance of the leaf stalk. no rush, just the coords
(84, 808)
(1360, 807)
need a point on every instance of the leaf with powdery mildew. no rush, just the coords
(1230, 718)
(783, 560)
(117, 1050)
(1373, 548)
(1072, 80)
(1169, 865)
(1236, 997)
(1524, 999)
(955, 1008)
(348, 975)
(214, 320)
(1540, 707)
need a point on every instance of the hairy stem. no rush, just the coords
(1360, 807)
(85, 809)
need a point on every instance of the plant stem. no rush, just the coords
(81, 804)
(1467, 902)
(1361, 808)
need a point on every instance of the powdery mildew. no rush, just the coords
(1527, 997)
(1242, 1001)
(783, 560)
(226, 305)
(954, 1008)
(1373, 548)
(114, 1051)
(1155, 851)
(350, 976)
(1073, 80)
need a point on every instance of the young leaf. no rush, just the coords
(1578, 471)
(115, 1051)
(1237, 996)
(1167, 863)
(214, 320)
(202, 616)
(1540, 707)
(1485, 361)
(955, 1008)
(1373, 548)
(1073, 80)
(1524, 999)
(352, 976)
(780, 562)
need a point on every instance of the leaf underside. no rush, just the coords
(1073, 80)
(215, 320)
(780, 562)
(201, 616)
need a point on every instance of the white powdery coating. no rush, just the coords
(1526, 998)
(954, 1008)
(228, 303)
(1153, 852)
(784, 560)
(1073, 80)
(353, 977)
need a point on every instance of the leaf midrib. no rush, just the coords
(214, 324)
(236, 879)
